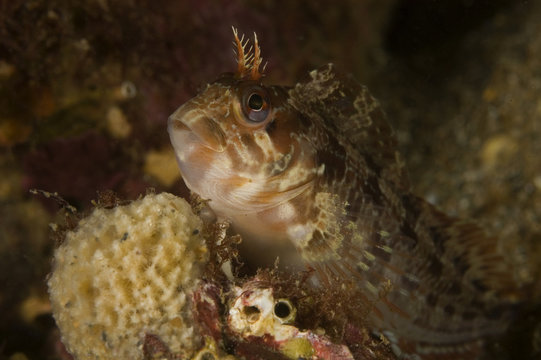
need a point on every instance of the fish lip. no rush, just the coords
(203, 127)
(176, 125)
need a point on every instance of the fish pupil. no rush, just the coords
(255, 105)
(255, 102)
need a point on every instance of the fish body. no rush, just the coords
(311, 174)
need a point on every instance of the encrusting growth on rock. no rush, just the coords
(126, 273)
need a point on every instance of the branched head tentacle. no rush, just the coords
(248, 61)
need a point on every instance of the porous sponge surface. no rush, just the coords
(125, 272)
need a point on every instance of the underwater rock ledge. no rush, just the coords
(143, 281)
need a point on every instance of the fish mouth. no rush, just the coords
(187, 119)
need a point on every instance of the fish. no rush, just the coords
(311, 173)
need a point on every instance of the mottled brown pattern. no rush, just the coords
(432, 284)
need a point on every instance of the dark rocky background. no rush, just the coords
(86, 88)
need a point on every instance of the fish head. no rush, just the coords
(239, 144)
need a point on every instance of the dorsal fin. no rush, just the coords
(346, 108)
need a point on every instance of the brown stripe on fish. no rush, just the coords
(248, 154)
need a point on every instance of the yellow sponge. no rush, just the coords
(126, 272)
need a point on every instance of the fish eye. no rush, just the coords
(256, 104)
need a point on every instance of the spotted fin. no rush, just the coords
(438, 284)
(343, 106)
